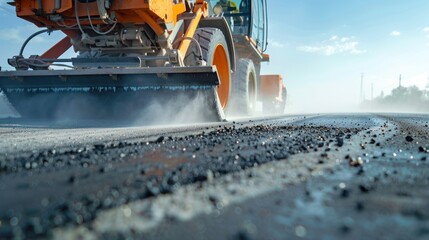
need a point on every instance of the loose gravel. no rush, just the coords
(59, 187)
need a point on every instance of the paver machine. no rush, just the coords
(166, 55)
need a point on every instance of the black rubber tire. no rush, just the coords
(243, 103)
(283, 104)
(275, 107)
(209, 39)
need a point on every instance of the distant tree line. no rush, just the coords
(402, 99)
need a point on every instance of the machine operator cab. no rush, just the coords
(245, 18)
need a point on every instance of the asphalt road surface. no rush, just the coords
(354, 176)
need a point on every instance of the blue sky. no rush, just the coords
(320, 46)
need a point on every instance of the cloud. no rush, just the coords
(11, 34)
(395, 34)
(335, 45)
(2, 8)
(426, 30)
(19, 34)
(5, 8)
(275, 43)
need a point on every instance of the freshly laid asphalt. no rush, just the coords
(360, 176)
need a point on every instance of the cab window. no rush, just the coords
(245, 17)
(236, 13)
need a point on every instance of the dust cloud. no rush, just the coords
(6, 110)
(117, 108)
(181, 108)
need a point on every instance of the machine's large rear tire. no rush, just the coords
(215, 52)
(244, 89)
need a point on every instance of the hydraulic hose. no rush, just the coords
(31, 37)
(92, 26)
(76, 10)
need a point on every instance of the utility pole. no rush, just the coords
(400, 80)
(427, 90)
(372, 92)
(361, 88)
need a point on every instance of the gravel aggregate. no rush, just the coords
(257, 179)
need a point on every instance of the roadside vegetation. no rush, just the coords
(401, 99)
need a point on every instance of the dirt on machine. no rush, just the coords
(200, 58)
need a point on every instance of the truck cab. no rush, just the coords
(246, 18)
